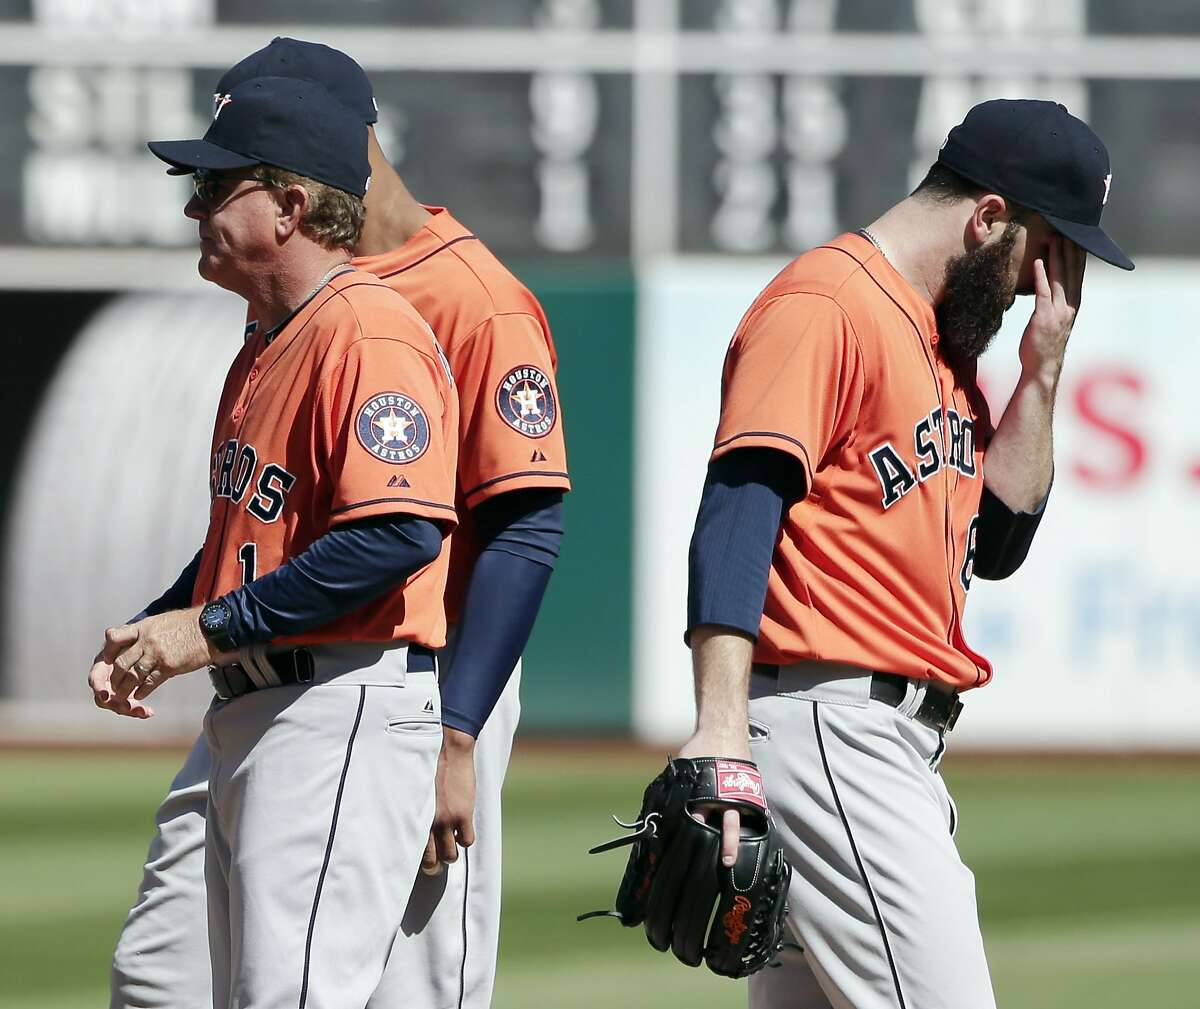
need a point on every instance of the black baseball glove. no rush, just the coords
(674, 874)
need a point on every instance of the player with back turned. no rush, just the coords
(855, 488)
(511, 479)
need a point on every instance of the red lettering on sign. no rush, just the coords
(1107, 400)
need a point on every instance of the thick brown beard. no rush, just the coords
(979, 289)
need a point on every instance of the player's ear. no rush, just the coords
(293, 202)
(988, 217)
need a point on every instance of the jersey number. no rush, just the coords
(968, 564)
(248, 555)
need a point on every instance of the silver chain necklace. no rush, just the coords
(874, 241)
(274, 331)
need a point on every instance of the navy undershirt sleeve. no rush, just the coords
(344, 569)
(744, 498)
(1003, 536)
(523, 523)
(522, 532)
(178, 596)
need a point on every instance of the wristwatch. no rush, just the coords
(214, 625)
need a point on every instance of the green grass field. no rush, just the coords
(1089, 881)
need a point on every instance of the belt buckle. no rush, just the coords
(955, 711)
(306, 666)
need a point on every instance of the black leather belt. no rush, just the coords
(939, 709)
(294, 667)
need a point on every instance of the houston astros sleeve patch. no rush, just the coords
(525, 399)
(393, 428)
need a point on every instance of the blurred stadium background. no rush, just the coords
(646, 166)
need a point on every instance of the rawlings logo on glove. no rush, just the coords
(739, 780)
(735, 919)
(674, 879)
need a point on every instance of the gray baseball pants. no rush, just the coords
(444, 952)
(316, 806)
(445, 955)
(882, 910)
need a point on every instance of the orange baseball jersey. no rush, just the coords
(836, 364)
(347, 411)
(497, 339)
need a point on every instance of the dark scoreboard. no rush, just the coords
(545, 159)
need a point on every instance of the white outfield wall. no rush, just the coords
(128, 420)
(1096, 640)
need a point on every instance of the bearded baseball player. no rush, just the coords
(855, 487)
(316, 599)
(511, 479)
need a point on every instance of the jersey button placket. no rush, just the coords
(240, 409)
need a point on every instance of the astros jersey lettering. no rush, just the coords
(497, 339)
(836, 364)
(348, 412)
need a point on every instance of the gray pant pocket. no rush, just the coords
(417, 723)
(759, 731)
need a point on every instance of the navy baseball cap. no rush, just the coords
(282, 121)
(1042, 157)
(336, 72)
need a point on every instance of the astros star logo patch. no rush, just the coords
(525, 399)
(393, 428)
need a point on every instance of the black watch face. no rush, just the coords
(214, 617)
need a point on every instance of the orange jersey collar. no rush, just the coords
(919, 311)
(441, 230)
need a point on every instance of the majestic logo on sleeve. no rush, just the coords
(525, 399)
(393, 428)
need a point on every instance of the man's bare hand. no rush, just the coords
(146, 654)
(100, 680)
(1058, 289)
(453, 820)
